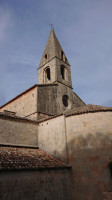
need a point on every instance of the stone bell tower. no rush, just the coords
(55, 94)
(54, 66)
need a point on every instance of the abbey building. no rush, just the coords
(54, 94)
(53, 145)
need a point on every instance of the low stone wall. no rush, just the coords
(35, 185)
(17, 131)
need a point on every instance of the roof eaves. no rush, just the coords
(79, 112)
(17, 117)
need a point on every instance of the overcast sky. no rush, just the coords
(84, 30)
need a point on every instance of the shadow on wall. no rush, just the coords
(89, 156)
(90, 141)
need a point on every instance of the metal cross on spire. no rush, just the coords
(51, 25)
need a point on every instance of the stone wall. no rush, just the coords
(41, 185)
(47, 99)
(20, 105)
(32, 116)
(50, 98)
(73, 99)
(18, 132)
(89, 142)
(41, 116)
(77, 101)
(86, 140)
(52, 137)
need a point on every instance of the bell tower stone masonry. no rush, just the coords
(55, 94)
(54, 66)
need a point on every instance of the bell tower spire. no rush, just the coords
(55, 94)
(54, 65)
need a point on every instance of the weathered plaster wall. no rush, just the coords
(89, 141)
(21, 104)
(35, 185)
(52, 137)
(18, 131)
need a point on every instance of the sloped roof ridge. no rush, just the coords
(90, 108)
(2, 114)
(98, 106)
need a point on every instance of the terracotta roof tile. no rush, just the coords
(87, 109)
(19, 158)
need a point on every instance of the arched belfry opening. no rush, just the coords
(62, 55)
(62, 72)
(110, 168)
(47, 74)
(45, 57)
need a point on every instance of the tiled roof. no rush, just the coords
(87, 109)
(19, 158)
